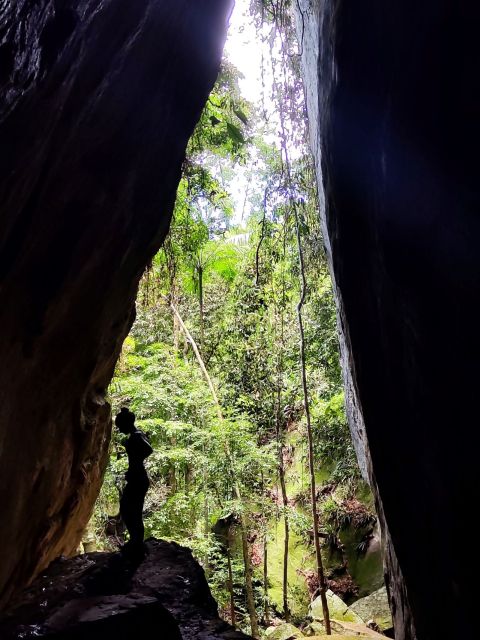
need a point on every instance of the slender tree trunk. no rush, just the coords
(176, 331)
(311, 466)
(283, 486)
(172, 271)
(249, 585)
(236, 487)
(266, 613)
(281, 465)
(266, 609)
(286, 543)
(303, 282)
(199, 359)
(172, 478)
(176, 325)
(206, 517)
(200, 303)
(252, 612)
(230, 581)
(262, 238)
(188, 476)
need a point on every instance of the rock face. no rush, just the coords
(97, 102)
(106, 596)
(394, 106)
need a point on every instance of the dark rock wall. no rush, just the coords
(98, 100)
(394, 106)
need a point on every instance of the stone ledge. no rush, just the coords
(109, 595)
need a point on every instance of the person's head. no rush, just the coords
(125, 421)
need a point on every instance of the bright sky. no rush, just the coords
(244, 50)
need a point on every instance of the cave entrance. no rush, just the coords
(213, 364)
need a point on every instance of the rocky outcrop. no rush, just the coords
(393, 96)
(109, 596)
(97, 102)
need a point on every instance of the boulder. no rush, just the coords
(284, 631)
(337, 608)
(316, 629)
(114, 596)
(375, 607)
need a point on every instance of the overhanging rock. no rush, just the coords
(97, 102)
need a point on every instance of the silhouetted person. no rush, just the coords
(133, 496)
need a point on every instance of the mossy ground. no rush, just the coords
(366, 569)
(300, 558)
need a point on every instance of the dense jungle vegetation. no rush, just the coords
(232, 368)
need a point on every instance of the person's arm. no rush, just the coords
(147, 446)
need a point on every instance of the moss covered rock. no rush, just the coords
(284, 631)
(342, 636)
(337, 608)
(316, 629)
(375, 607)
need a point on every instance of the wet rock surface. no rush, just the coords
(98, 99)
(110, 596)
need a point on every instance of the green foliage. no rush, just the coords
(223, 126)
(236, 289)
(333, 442)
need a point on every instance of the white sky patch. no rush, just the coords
(254, 52)
(243, 48)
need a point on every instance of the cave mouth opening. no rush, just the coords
(231, 365)
(97, 108)
(213, 364)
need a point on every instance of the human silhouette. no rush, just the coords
(133, 496)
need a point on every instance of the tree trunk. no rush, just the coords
(199, 359)
(230, 582)
(172, 279)
(266, 613)
(252, 612)
(200, 303)
(266, 610)
(243, 525)
(283, 486)
(311, 466)
(176, 329)
(281, 470)
(281, 465)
